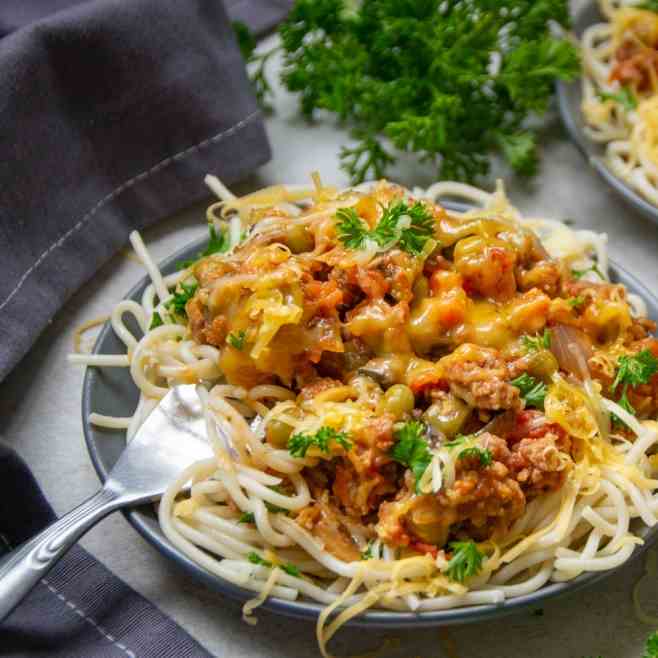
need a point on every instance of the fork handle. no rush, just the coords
(24, 567)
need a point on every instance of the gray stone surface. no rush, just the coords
(40, 407)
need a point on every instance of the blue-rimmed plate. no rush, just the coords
(569, 95)
(111, 391)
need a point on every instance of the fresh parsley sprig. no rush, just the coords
(247, 517)
(410, 448)
(408, 226)
(534, 343)
(290, 569)
(633, 371)
(298, 444)
(532, 390)
(417, 77)
(466, 560)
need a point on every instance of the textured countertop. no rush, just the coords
(40, 408)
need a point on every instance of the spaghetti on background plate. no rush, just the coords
(409, 408)
(620, 91)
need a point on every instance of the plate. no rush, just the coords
(111, 391)
(569, 97)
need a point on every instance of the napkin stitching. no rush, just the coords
(88, 619)
(124, 186)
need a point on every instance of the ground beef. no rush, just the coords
(478, 375)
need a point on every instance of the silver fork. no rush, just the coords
(171, 438)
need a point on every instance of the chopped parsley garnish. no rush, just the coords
(247, 517)
(351, 228)
(579, 274)
(275, 509)
(574, 302)
(367, 553)
(410, 226)
(182, 295)
(298, 444)
(651, 648)
(418, 77)
(462, 441)
(410, 448)
(483, 454)
(625, 97)
(532, 390)
(466, 560)
(237, 340)
(633, 371)
(218, 243)
(290, 569)
(534, 343)
(156, 321)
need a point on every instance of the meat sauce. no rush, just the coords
(449, 329)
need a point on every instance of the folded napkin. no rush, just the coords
(111, 112)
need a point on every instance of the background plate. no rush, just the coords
(111, 391)
(569, 100)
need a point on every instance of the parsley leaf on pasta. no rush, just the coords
(298, 444)
(410, 227)
(466, 560)
(237, 340)
(410, 448)
(218, 243)
(636, 369)
(532, 390)
(651, 649)
(633, 371)
(156, 321)
(182, 295)
(469, 449)
(290, 569)
(625, 97)
(533, 343)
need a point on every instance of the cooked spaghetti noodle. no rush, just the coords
(620, 91)
(409, 408)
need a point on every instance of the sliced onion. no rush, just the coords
(572, 350)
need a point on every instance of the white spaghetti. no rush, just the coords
(620, 91)
(409, 409)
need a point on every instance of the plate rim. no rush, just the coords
(587, 148)
(141, 520)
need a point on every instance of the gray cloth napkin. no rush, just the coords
(111, 112)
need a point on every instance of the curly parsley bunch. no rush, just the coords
(453, 81)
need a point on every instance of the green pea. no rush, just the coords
(299, 239)
(542, 364)
(447, 416)
(278, 433)
(398, 400)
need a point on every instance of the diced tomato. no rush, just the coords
(532, 424)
